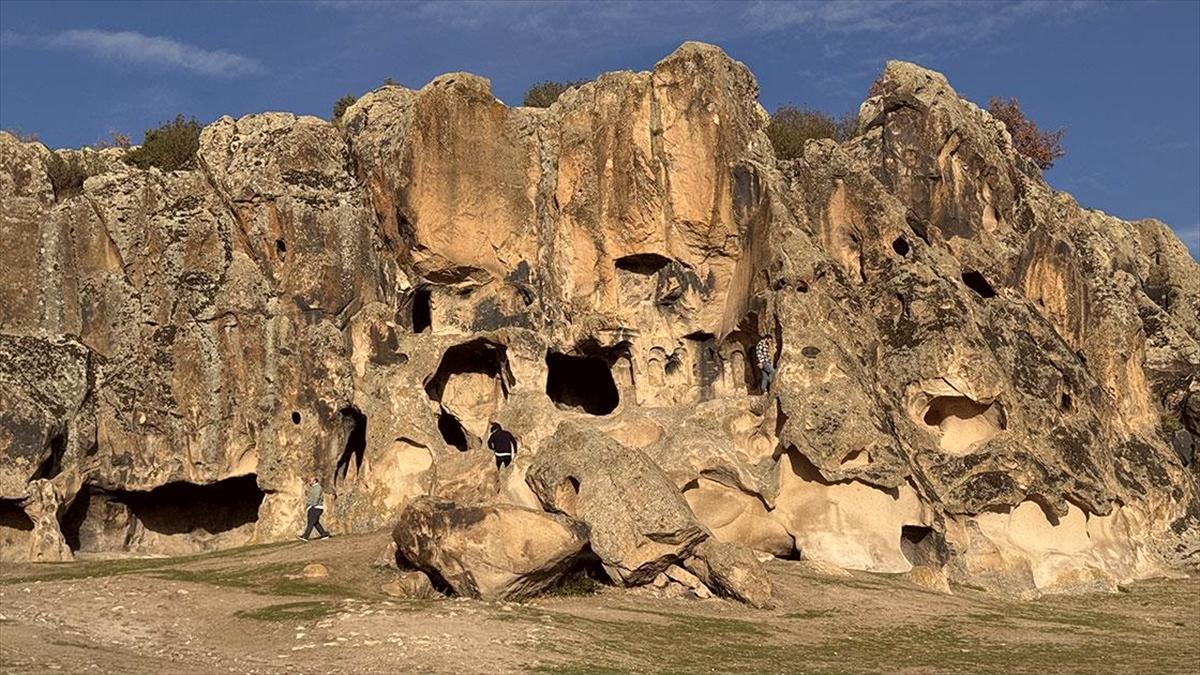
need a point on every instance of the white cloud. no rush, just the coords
(139, 49)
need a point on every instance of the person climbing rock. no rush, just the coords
(313, 503)
(762, 355)
(502, 444)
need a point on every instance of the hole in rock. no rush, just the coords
(900, 246)
(922, 546)
(354, 425)
(452, 432)
(642, 263)
(963, 423)
(583, 382)
(976, 282)
(179, 508)
(1065, 402)
(708, 363)
(280, 249)
(477, 356)
(13, 517)
(565, 495)
(295, 417)
(51, 466)
(422, 310)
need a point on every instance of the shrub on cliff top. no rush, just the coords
(544, 94)
(791, 127)
(340, 106)
(1041, 147)
(66, 175)
(169, 147)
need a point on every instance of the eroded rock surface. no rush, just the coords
(978, 377)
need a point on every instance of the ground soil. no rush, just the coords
(242, 611)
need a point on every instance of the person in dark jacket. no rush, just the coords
(313, 502)
(502, 444)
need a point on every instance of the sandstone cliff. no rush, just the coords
(976, 374)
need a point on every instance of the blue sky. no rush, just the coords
(1123, 78)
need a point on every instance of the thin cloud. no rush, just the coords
(139, 49)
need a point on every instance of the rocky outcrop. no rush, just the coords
(976, 375)
(490, 552)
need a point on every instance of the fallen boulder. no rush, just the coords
(639, 522)
(498, 551)
(732, 571)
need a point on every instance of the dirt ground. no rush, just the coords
(239, 612)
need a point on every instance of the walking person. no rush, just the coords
(315, 507)
(762, 355)
(502, 444)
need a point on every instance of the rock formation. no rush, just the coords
(977, 375)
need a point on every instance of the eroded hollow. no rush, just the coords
(923, 546)
(477, 356)
(13, 517)
(647, 264)
(962, 422)
(976, 282)
(422, 310)
(470, 385)
(900, 246)
(51, 466)
(452, 431)
(582, 382)
(354, 426)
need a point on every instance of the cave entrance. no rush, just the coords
(470, 386)
(51, 466)
(354, 425)
(708, 366)
(13, 517)
(452, 431)
(182, 507)
(422, 310)
(978, 283)
(962, 422)
(583, 382)
(922, 546)
(477, 356)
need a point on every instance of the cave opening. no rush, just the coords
(647, 264)
(976, 282)
(708, 365)
(1066, 403)
(295, 417)
(182, 507)
(963, 422)
(452, 431)
(582, 382)
(51, 466)
(13, 517)
(354, 425)
(280, 249)
(900, 246)
(923, 546)
(476, 356)
(422, 310)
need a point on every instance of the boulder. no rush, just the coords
(638, 521)
(732, 571)
(411, 584)
(491, 552)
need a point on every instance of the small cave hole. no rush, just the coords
(354, 423)
(922, 546)
(976, 282)
(566, 494)
(51, 466)
(280, 249)
(963, 422)
(583, 382)
(13, 517)
(295, 417)
(647, 264)
(900, 246)
(1065, 402)
(422, 310)
(476, 356)
(452, 431)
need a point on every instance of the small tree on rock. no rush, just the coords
(66, 175)
(170, 147)
(791, 127)
(545, 94)
(340, 106)
(1041, 147)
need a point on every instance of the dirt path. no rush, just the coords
(238, 612)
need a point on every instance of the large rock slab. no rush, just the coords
(490, 552)
(639, 522)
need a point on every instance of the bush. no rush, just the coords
(544, 94)
(30, 137)
(791, 127)
(340, 105)
(116, 139)
(170, 147)
(66, 175)
(1041, 147)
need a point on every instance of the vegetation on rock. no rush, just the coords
(340, 106)
(66, 174)
(1041, 147)
(543, 95)
(169, 147)
(791, 127)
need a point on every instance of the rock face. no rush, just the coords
(977, 375)
(489, 552)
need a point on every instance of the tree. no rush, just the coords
(1041, 147)
(170, 147)
(66, 175)
(791, 127)
(543, 95)
(340, 106)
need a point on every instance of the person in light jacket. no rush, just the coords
(315, 506)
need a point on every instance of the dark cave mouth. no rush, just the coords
(582, 382)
